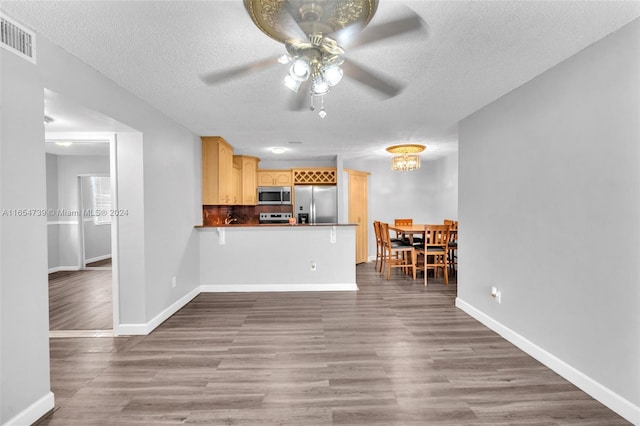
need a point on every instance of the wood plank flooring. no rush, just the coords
(80, 300)
(394, 353)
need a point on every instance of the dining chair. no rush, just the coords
(402, 222)
(434, 251)
(453, 244)
(397, 254)
(409, 239)
(379, 245)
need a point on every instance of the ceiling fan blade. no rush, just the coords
(289, 24)
(374, 33)
(216, 77)
(384, 86)
(299, 101)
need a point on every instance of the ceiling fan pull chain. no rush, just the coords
(311, 107)
(322, 112)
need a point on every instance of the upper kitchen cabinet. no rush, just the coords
(275, 177)
(248, 182)
(217, 171)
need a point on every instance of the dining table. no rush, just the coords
(409, 230)
(417, 230)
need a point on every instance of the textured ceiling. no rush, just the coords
(471, 53)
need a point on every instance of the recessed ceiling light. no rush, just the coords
(63, 143)
(278, 150)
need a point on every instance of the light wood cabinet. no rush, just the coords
(268, 177)
(358, 213)
(237, 184)
(247, 183)
(315, 176)
(217, 171)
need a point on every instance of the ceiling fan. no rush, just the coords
(315, 34)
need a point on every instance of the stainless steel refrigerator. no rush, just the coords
(315, 204)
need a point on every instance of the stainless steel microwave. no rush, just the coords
(274, 195)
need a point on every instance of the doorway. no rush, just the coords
(80, 243)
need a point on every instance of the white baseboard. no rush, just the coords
(257, 288)
(98, 258)
(145, 328)
(63, 268)
(33, 412)
(606, 396)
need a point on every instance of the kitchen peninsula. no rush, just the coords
(235, 258)
(241, 251)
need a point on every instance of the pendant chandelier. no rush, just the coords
(408, 158)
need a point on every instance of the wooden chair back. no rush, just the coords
(376, 230)
(434, 251)
(403, 222)
(436, 235)
(453, 224)
(397, 255)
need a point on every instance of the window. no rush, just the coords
(101, 190)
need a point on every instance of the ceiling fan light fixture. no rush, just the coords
(292, 83)
(300, 70)
(332, 74)
(319, 86)
(284, 59)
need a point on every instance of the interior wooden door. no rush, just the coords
(358, 190)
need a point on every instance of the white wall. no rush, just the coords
(427, 195)
(24, 305)
(160, 187)
(549, 208)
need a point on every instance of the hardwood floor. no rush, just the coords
(80, 300)
(393, 353)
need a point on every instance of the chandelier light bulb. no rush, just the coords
(332, 74)
(300, 70)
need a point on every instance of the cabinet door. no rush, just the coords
(249, 181)
(226, 173)
(266, 178)
(237, 185)
(358, 189)
(283, 178)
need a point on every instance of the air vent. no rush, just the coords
(17, 39)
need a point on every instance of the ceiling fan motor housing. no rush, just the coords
(314, 17)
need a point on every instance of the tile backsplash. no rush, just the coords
(216, 215)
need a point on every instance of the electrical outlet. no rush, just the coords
(313, 266)
(173, 282)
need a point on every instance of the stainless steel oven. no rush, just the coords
(274, 195)
(272, 218)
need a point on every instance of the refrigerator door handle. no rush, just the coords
(312, 212)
